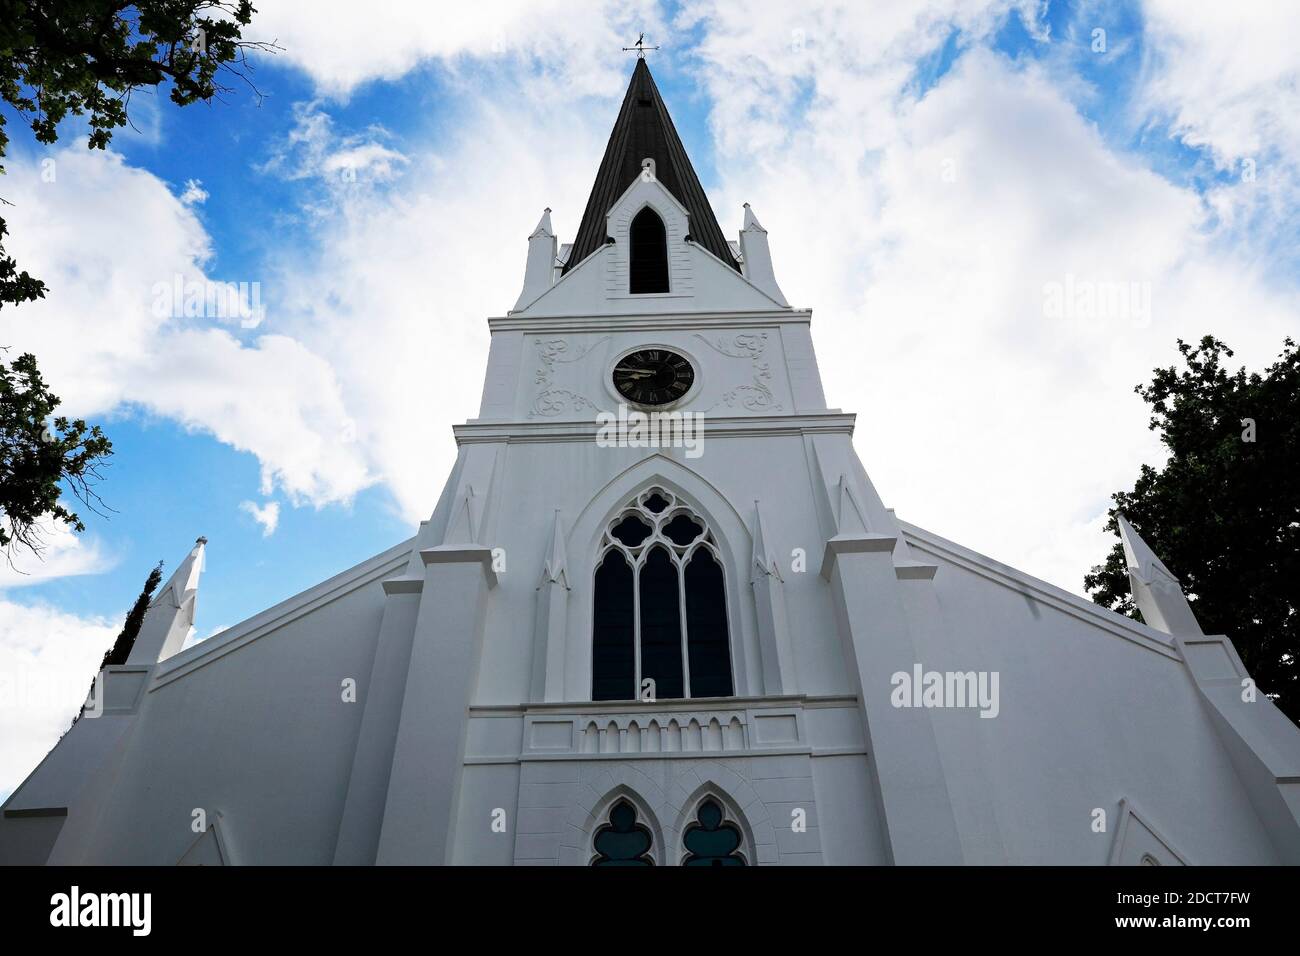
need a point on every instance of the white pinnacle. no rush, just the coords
(1156, 591)
(555, 570)
(170, 617)
(543, 226)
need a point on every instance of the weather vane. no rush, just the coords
(640, 47)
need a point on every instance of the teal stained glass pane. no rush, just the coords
(709, 841)
(622, 841)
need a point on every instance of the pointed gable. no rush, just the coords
(645, 130)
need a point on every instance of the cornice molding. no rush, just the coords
(605, 322)
(730, 426)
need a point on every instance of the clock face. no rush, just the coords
(653, 376)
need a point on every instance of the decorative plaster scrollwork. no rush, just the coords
(753, 397)
(551, 401)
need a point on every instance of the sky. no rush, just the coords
(1003, 213)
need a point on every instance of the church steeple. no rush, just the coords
(644, 130)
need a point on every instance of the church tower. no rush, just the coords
(643, 545)
(660, 616)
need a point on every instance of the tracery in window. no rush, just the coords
(660, 605)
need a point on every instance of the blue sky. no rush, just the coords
(926, 171)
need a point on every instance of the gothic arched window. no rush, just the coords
(622, 840)
(660, 606)
(647, 254)
(711, 839)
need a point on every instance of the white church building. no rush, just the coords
(660, 616)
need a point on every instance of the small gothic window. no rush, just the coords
(647, 254)
(660, 605)
(710, 840)
(622, 841)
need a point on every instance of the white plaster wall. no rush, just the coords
(260, 735)
(1088, 717)
(848, 814)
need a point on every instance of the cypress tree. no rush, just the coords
(121, 648)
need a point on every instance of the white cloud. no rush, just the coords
(1228, 80)
(924, 232)
(194, 194)
(304, 398)
(64, 553)
(444, 248)
(576, 42)
(1227, 76)
(312, 149)
(105, 236)
(48, 659)
(268, 515)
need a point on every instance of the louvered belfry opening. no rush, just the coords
(644, 130)
(647, 254)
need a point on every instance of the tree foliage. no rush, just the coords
(121, 648)
(1223, 513)
(39, 455)
(15, 285)
(78, 57)
(61, 58)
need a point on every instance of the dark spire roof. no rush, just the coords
(644, 128)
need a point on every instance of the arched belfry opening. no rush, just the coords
(647, 254)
